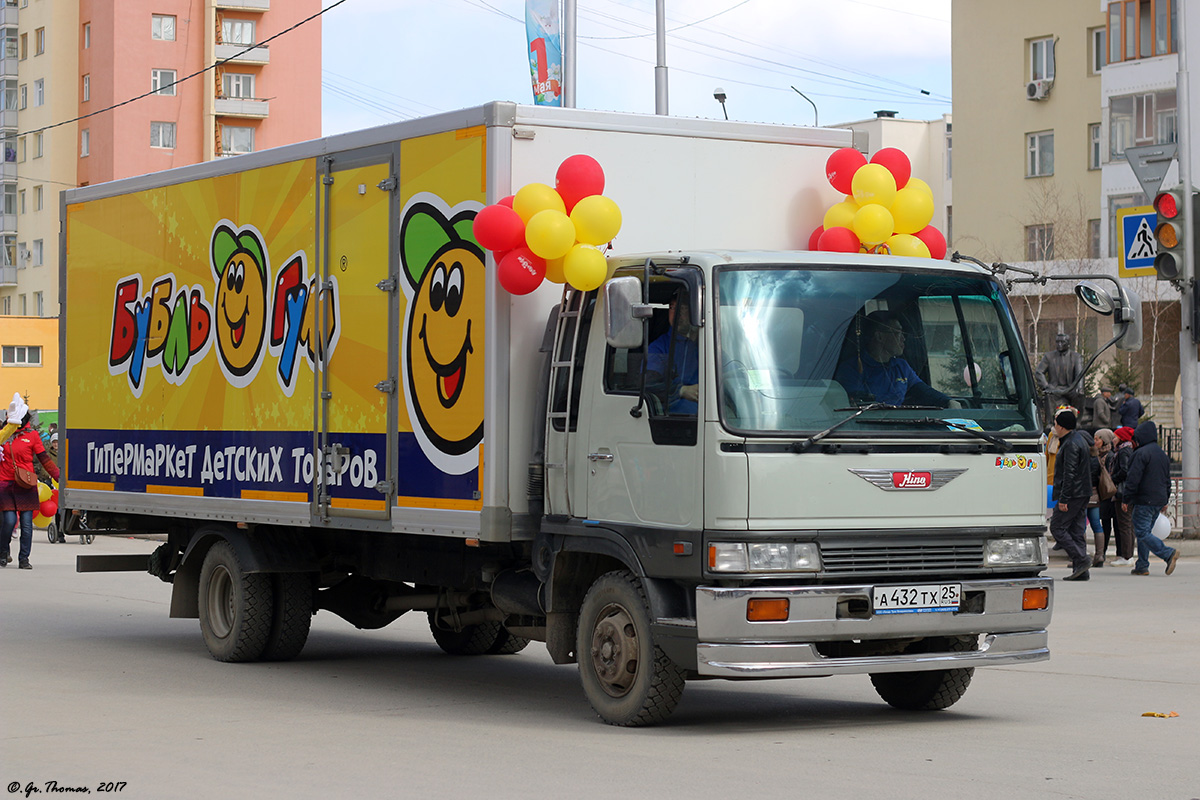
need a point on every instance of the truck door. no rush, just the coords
(356, 386)
(646, 469)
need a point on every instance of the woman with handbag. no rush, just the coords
(19, 487)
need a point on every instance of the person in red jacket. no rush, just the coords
(16, 500)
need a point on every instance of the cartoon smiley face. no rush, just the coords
(241, 299)
(443, 356)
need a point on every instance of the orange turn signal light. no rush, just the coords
(767, 610)
(1035, 599)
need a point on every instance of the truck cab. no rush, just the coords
(810, 464)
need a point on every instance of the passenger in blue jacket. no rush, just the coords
(1147, 490)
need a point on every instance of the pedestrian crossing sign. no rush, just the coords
(1135, 239)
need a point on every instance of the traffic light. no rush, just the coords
(1171, 234)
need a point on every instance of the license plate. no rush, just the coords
(916, 599)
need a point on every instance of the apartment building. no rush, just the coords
(1047, 96)
(96, 90)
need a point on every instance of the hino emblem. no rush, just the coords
(893, 480)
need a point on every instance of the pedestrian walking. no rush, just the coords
(18, 483)
(1072, 490)
(1104, 407)
(1130, 410)
(1123, 519)
(1147, 490)
(1093, 506)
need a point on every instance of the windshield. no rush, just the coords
(800, 349)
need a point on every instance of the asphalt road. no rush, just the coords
(102, 691)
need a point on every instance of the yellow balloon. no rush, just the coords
(873, 183)
(912, 209)
(873, 223)
(43, 492)
(597, 219)
(905, 244)
(917, 183)
(534, 197)
(554, 270)
(585, 267)
(40, 521)
(550, 234)
(840, 215)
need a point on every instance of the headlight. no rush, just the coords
(1027, 552)
(764, 557)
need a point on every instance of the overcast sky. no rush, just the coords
(389, 60)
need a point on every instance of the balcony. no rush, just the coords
(251, 6)
(8, 223)
(8, 15)
(256, 55)
(8, 276)
(8, 169)
(8, 118)
(249, 107)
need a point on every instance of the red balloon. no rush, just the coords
(521, 271)
(838, 240)
(578, 176)
(841, 166)
(934, 240)
(815, 238)
(54, 495)
(498, 227)
(896, 163)
(48, 508)
(506, 201)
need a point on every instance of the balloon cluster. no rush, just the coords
(48, 499)
(552, 233)
(886, 210)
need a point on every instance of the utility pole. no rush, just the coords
(1189, 370)
(660, 67)
(568, 78)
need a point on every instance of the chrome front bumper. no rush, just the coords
(729, 646)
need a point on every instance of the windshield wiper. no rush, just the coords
(800, 447)
(1003, 444)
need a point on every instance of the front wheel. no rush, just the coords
(235, 606)
(626, 677)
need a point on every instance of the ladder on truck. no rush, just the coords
(560, 405)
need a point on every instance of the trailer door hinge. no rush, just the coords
(389, 184)
(384, 487)
(387, 285)
(387, 387)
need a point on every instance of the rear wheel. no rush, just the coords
(485, 638)
(235, 606)
(926, 691)
(627, 678)
(291, 616)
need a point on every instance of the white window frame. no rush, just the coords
(239, 85)
(231, 26)
(37, 252)
(21, 355)
(1039, 242)
(1041, 59)
(1099, 43)
(87, 35)
(162, 27)
(87, 87)
(39, 92)
(39, 303)
(37, 198)
(23, 91)
(39, 145)
(162, 81)
(39, 41)
(85, 142)
(162, 135)
(1037, 164)
(1095, 146)
(21, 201)
(227, 135)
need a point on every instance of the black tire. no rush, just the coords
(235, 606)
(52, 533)
(291, 615)
(926, 691)
(628, 679)
(485, 638)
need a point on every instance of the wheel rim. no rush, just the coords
(220, 602)
(615, 650)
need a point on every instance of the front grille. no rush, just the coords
(857, 559)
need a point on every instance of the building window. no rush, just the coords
(21, 195)
(1041, 59)
(24, 46)
(38, 143)
(162, 134)
(1140, 119)
(9, 99)
(1041, 154)
(1094, 146)
(10, 43)
(24, 99)
(22, 255)
(1099, 47)
(21, 304)
(19, 355)
(39, 41)
(236, 140)
(162, 81)
(236, 84)
(6, 306)
(37, 252)
(37, 198)
(39, 304)
(237, 31)
(1093, 238)
(39, 92)
(87, 35)
(85, 142)
(1141, 29)
(21, 150)
(9, 191)
(87, 88)
(1039, 242)
(162, 27)
(10, 151)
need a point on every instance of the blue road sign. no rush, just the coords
(1136, 248)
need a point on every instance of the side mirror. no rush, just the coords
(1125, 309)
(623, 328)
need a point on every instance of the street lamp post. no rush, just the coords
(719, 96)
(816, 119)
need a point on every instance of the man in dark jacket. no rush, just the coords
(1147, 490)
(1130, 409)
(1072, 490)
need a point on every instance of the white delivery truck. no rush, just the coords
(299, 367)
